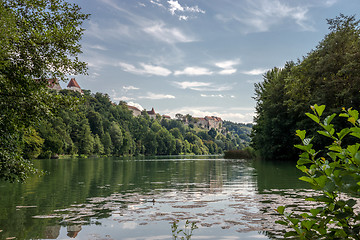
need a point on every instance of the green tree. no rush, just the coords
(328, 75)
(33, 144)
(86, 140)
(116, 138)
(39, 39)
(106, 141)
(98, 146)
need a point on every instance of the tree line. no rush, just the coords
(100, 127)
(328, 75)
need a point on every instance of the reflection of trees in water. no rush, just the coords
(133, 181)
(277, 175)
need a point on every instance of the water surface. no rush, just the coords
(138, 198)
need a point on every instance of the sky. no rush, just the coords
(197, 57)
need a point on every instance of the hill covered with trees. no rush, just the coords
(100, 127)
(328, 75)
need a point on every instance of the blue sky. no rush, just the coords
(200, 57)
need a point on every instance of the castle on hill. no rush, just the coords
(73, 85)
(208, 122)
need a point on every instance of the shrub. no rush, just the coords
(334, 172)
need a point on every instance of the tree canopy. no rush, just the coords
(39, 40)
(328, 75)
(100, 127)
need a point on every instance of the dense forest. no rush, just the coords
(100, 127)
(328, 75)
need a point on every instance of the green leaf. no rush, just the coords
(354, 114)
(353, 149)
(313, 117)
(315, 211)
(307, 179)
(294, 220)
(303, 161)
(290, 234)
(281, 209)
(321, 181)
(351, 202)
(319, 109)
(343, 133)
(328, 119)
(326, 134)
(281, 222)
(301, 134)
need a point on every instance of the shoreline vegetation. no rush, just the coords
(246, 153)
(99, 127)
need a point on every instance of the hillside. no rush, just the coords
(100, 127)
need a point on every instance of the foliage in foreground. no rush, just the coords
(187, 231)
(39, 40)
(335, 173)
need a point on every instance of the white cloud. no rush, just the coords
(155, 70)
(243, 116)
(140, 25)
(175, 6)
(228, 71)
(329, 3)
(203, 86)
(257, 71)
(155, 96)
(228, 66)
(212, 95)
(159, 31)
(137, 105)
(192, 85)
(145, 69)
(98, 47)
(123, 98)
(127, 88)
(262, 15)
(157, 2)
(194, 71)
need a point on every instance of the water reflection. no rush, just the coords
(83, 197)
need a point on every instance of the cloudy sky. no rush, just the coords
(200, 57)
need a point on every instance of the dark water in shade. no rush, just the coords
(138, 198)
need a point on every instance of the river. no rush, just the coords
(150, 198)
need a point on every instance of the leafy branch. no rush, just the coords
(335, 173)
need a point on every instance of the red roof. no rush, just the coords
(152, 112)
(73, 83)
(133, 108)
(53, 83)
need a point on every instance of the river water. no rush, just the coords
(150, 198)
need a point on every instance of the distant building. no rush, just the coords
(74, 86)
(135, 111)
(214, 122)
(152, 113)
(166, 117)
(201, 122)
(53, 84)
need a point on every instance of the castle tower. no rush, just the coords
(74, 86)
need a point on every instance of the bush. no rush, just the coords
(334, 172)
